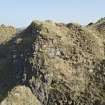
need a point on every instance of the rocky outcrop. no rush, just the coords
(62, 64)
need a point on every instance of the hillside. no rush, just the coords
(6, 32)
(54, 63)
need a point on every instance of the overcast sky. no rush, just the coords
(21, 12)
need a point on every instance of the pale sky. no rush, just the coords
(20, 13)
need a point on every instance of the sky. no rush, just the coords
(21, 13)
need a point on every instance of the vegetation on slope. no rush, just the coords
(6, 33)
(62, 64)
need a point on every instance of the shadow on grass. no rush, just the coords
(7, 72)
(14, 62)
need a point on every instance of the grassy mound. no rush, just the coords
(62, 64)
